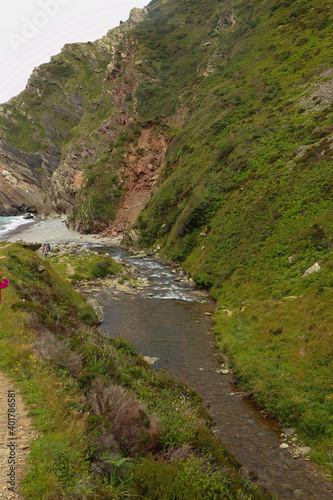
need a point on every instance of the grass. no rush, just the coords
(84, 267)
(287, 361)
(108, 426)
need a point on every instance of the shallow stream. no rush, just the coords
(168, 320)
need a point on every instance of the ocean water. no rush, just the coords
(8, 224)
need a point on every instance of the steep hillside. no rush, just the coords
(220, 114)
(244, 199)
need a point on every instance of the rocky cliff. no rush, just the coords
(65, 120)
(25, 181)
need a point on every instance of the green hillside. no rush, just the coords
(245, 200)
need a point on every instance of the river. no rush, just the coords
(169, 321)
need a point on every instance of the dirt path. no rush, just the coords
(15, 437)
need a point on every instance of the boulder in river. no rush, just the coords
(304, 450)
(224, 371)
(98, 309)
(288, 432)
(150, 360)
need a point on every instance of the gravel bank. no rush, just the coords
(54, 230)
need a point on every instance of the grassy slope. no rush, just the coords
(151, 438)
(235, 201)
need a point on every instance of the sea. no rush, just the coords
(9, 224)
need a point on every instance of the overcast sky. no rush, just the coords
(34, 30)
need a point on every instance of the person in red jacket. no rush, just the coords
(3, 285)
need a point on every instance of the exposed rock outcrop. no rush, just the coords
(97, 309)
(118, 84)
(25, 181)
(70, 124)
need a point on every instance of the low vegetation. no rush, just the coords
(82, 265)
(109, 427)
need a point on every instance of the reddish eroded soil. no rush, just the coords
(141, 170)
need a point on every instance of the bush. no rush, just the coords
(101, 269)
(187, 478)
(131, 427)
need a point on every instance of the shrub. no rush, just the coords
(186, 477)
(131, 426)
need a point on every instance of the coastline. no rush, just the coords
(53, 230)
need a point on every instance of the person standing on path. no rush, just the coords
(3, 285)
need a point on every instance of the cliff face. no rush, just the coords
(65, 120)
(25, 180)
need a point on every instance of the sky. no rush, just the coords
(34, 30)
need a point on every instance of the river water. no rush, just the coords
(169, 321)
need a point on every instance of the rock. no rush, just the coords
(192, 283)
(26, 179)
(284, 446)
(298, 493)
(286, 486)
(98, 309)
(304, 450)
(150, 360)
(207, 313)
(224, 371)
(313, 269)
(28, 216)
(289, 432)
(32, 209)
